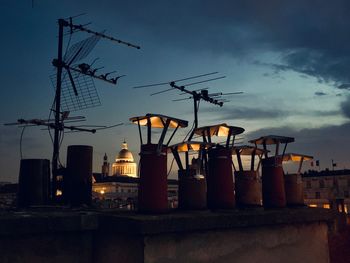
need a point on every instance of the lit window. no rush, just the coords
(327, 206)
(58, 192)
(346, 209)
(340, 208)
(312, 205)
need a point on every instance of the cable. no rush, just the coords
(48, 127)
(61, 139)
(20, 142)
(59, 146)
(189, 132)
(171, 166)
(68, 44)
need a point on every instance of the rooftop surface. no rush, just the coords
(53, 220)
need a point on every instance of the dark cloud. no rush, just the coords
(323, 143)
(311, 38)
(252, 113)
(330, 133)
(320, 93)
(345, 107)
(326, 67)
(245, 113)
(316, 113)
(344, 86)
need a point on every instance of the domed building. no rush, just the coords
(119, 189)
(124, 164)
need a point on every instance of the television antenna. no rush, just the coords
(76, 53)
(51, 124)
(195, 95)
(75, 89)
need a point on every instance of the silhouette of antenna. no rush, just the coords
(75, 90)
(80, 80)
(178, 80)
(77, 86)
(81, 49)
(195, 95)
(51, 124)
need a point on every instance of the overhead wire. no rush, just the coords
(59, 146)
(20, 142)
(189, 132)
(193, 123)
(171, 167)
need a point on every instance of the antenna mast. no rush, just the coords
(60, 64)
(196, 95)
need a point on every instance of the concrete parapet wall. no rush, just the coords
(287, 235)
(290, 243)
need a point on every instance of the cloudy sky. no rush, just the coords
(290, 58)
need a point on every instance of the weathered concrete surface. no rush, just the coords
(274, 244)
(287, 235)
(118, 248)
(63, 247)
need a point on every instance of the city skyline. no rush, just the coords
(291, 60)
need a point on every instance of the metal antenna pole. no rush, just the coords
(83, 49)
(196, 98)
(56, 142)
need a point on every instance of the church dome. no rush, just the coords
(124, 155)
(124, 163)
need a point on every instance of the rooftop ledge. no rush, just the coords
(40, 221)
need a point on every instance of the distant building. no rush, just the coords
(327, 189)
(124, 164)
(120, 188)
(122, 191)
(105, 166)
(8, 195)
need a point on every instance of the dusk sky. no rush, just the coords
(290, 58)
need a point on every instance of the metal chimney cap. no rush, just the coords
(296, 157)
(219, 130)
(248, 150)
(191, 145)
(158, 121)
